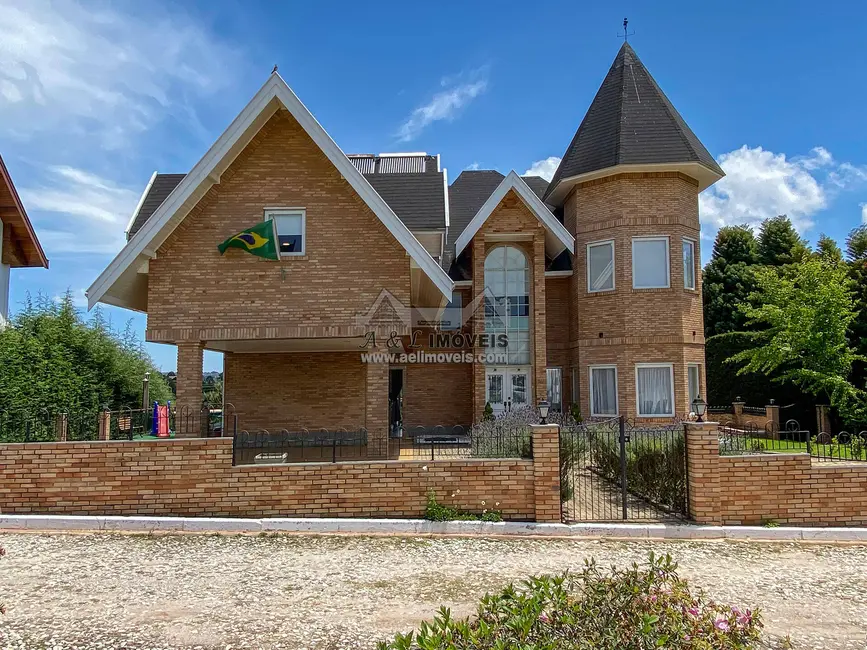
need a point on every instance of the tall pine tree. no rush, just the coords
(779, 243)
(728, 279)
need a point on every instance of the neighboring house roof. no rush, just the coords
(20, 246)
(157, 191)
(632, 122)
(394, 163)
(557, 237)
(118, 283)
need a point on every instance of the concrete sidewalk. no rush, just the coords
(313, 526)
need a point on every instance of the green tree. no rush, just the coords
(50, 358)
(728, 279)
(779, 243)
(828, 250)
(856, 258)
(803, 314)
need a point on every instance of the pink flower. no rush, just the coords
(745, 618)
(721, 624)
(544, 618)
(692, 611)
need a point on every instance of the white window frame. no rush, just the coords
(562, 401)
(270, 213)
(670, 367)
(667, 284)
(602, 242)
(691, 242)
(689, 367)
(604, 366)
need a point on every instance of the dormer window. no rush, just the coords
(290, 224)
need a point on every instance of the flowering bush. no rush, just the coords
(436, 511)
(637, 608)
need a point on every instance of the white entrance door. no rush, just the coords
(507, 388)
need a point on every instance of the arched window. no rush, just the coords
(507, 302)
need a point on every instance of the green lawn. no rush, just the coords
(766, 445)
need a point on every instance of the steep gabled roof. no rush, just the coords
(19, 246)
(558, 238)
(632, 122)
(117, 283)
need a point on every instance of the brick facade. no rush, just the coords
(197, 478)
(627, 326)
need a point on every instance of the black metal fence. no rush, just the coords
(487, 440)
(791, 438)
(617, 470)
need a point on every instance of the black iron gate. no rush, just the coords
(613, 470)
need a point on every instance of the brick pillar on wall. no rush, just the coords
(540, 359)
(188, 420)
(546, 472)
(773, 426)
(702, 455)
(61, 427)
(104, 425)
(738, 413)
(376, 408)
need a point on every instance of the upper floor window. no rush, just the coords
(507, 301)
(688, 264)
(650, 263)
(291, 236)
(600, 266)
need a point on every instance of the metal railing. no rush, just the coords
(791, 438)
(278, 446)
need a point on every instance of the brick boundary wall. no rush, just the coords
(757, 488)
(195, 477)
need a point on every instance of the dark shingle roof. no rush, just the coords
(160, 189)
(467, 194)
(417, 199)
(536, 183)
(630, 121)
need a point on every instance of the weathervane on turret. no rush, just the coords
(625, 35)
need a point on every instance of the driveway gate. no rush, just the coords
(613, 470)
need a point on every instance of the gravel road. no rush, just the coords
(304, 592)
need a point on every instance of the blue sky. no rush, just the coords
(95, 96)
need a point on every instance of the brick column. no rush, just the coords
(478, 325)
(104, 425)
(702, 460)
(376, 409)
(773, 413)
(61, 427)
(738, 411)
(823, 418)
(188, 421)
(540, 356)
(546, 472)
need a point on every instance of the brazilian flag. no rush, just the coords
(260, 240)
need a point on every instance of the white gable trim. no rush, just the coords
(140, 201)
(533, 202)
(208, 170)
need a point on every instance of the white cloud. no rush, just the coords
(544, 168)
(472, 167)
(94, 72)
(863, 207)
(460, 90)
(94, 211)
(761, 184)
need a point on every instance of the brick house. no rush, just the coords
(594, 278)
(19, 246)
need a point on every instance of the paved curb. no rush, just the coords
(12, 523)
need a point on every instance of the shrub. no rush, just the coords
(488, 413)
(638, 608)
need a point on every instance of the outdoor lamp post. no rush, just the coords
(700, 407)
(543, 411)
